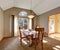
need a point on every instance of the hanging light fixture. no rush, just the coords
(31, 13)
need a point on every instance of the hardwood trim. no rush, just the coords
(48, 26)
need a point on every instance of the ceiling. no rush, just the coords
(38, 6)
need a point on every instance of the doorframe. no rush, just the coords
(48, 26)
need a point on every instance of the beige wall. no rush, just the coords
(7, 25)
(12, 11)
(43, 18)
(1, 24)
(57, 23)
(35, 22)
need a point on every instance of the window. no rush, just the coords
(23, 13)
(23, 22)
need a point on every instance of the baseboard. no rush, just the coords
(57, 32)
(1, 39)
(5, 38)
(9, 37)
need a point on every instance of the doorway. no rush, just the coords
(12, 25)
(54, 26)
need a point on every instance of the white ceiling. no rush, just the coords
(38, 6)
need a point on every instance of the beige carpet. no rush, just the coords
(14, 44)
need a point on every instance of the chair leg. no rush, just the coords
(35, 47)
(41, 45)
(21, 41)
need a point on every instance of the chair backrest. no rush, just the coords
(40, 32)
(20, 32)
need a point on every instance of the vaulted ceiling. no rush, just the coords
(38, 6)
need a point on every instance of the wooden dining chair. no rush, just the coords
(21, 37)
(38, 37)
(27, 38)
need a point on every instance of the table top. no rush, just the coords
(27, 32)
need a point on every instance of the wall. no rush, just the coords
(35, 22)
(7, 25)
(12, 11)
(1, 24)
(57, 23)
(43, 18)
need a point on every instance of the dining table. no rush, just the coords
(28, 33)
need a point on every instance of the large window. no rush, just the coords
(23, 22)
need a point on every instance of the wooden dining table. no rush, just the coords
(28, 33)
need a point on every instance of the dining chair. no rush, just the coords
(27, 38)
(21, 37)
(38, 37)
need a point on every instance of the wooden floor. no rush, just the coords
(14, 44)
(55, 36)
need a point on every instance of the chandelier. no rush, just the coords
(31, 13)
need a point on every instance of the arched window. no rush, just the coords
(23, 13)
(23, 21)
